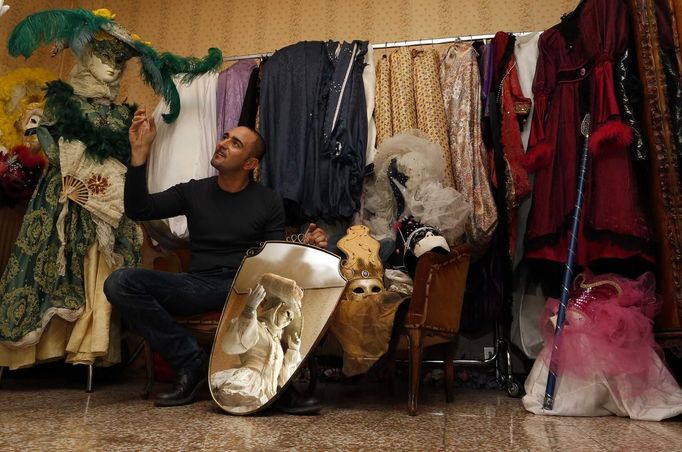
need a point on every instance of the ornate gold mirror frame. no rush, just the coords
(265, 335)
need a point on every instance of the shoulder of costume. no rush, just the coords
(58, 88)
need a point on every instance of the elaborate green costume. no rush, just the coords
(33, 291)
(74, 232)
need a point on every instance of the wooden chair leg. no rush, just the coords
(390, 362)
(149, 366)
(449, 371)
(414, 336)
(2, 371)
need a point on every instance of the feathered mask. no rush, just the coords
(79, 28)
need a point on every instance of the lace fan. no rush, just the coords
(98, 187)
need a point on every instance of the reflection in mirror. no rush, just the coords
(266, 336)
(262, 341)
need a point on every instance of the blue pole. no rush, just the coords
(568, 269)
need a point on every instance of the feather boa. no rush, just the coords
(100, 141)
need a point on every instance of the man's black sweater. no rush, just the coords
(222, 225)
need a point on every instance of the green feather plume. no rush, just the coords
(73, 28)
(158, 70)
(192, 67)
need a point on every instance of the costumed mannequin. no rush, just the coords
(364, 319)
(21, 158)
(271, 320)
(22, 94)
(74, 232)
(22, 161)
(608, 360)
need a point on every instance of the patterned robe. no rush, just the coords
(461, 82)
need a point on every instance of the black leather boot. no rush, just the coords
(186, 384)
(294, 402)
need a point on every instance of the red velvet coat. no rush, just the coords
(574, 76)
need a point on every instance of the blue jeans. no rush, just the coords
(148, 299)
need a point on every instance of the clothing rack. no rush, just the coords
(394, 44)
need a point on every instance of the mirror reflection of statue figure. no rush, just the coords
(266, 336)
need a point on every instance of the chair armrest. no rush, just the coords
(156, 258)
(438, 292)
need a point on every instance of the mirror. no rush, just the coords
(278, 308)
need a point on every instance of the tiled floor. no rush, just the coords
(45, 415)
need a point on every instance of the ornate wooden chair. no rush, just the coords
(432, 317)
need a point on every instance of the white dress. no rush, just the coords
(526, 54)
(183, 150)
(369, 82)
(529, 300)
(264, 365)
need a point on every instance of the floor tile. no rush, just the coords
(53, 416)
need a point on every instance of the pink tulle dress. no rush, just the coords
(607, 360)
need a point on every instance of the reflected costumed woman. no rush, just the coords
(75, 232)
(270, 319)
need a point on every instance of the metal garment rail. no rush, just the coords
(501, 358)
(394, 44)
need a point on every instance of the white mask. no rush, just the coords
(100, 70)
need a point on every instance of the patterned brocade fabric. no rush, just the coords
(382, 110)
(403, 109)
(409, 96)
(460, 79)
(32, 291)
(430, 108)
